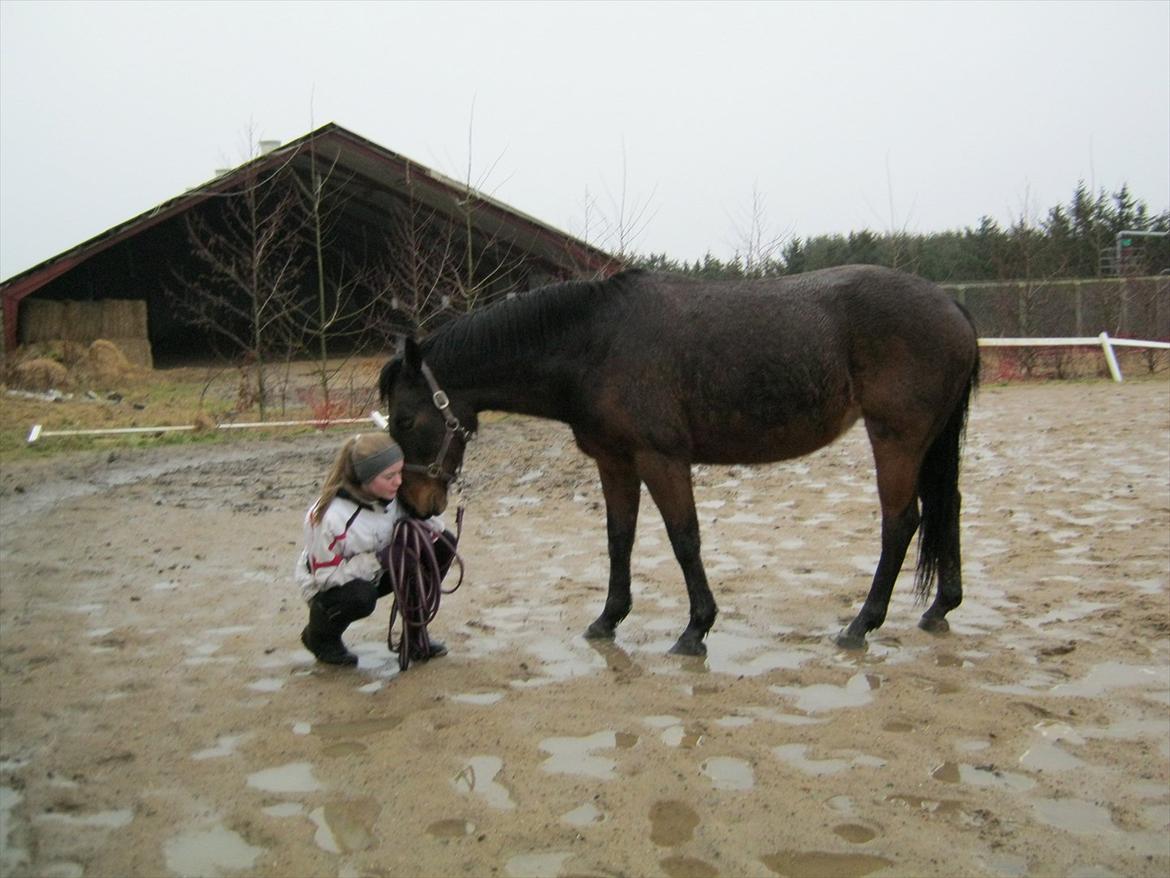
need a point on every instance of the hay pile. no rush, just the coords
(101, 365)
(61, 324)
(39, 375)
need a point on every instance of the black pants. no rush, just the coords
(357, 598)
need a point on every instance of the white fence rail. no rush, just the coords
(1104, 340)
(38, 433)
(1106, 343)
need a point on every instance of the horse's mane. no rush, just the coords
(529, 323)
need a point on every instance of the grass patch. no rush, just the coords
(178, 397)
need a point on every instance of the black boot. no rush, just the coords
(419, 654)
(322, 636)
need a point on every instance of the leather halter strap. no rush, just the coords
(454, 428)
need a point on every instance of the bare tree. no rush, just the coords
(757, 248)
(245, 289)
(627, 218)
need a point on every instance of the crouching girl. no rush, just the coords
(342, 570)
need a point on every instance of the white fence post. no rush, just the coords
(1110, 357)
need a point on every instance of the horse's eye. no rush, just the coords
(404, 424)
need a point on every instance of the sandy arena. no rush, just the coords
(159, 717)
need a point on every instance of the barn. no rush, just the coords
(327, 234)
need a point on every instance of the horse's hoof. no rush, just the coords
(689, 647)
(600, 631)
(934, 625)
(845, 640)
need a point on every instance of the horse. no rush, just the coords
(656, 372)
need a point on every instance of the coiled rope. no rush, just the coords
(416, 579)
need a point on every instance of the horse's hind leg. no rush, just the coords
(897, 476)
(950, 583)
(669, 481)
(622, 490)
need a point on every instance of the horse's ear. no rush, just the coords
(411, 353)
(387, 378)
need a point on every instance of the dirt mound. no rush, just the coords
(40, 374)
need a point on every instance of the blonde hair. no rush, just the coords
(343, 474)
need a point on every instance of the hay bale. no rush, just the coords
(82, 321)
(123, 318)
(40, 374)
(104, 363)
(136, 350)
(41, 320)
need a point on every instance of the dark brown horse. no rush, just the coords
(655, 373)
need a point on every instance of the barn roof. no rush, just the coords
(373, 177)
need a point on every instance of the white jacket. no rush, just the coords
(341, 548)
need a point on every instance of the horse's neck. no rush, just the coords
(523, 385)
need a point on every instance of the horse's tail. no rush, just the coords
(938, 488)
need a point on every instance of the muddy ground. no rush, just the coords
(158, 716)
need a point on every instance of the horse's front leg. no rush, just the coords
(623, 491)
(669, 481)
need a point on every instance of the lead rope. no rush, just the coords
(416, 579)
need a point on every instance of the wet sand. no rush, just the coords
(158, 716)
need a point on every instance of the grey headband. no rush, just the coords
(368, 468)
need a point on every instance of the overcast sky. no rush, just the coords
(915, 116)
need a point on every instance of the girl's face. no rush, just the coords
(385, 484)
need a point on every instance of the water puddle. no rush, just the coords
(821, 697)
(733, 721)
(854, 833)
(897, 725)
(284, 810)
(743, 656)
(453, 828)
(1007, 865)
(98, 820)
(820, 864)
(585, 815)
(11, 856)
(545, 865)
(267, 684)
(225, 745)
(687, 867)
(672, 823)
(794, 755)
(209, 852)
(295, 777)
(961, 773)
(1112, 675)
(1046, 756)
(557, 661)
(478, 698)
(930, 806)
(681, 737)
(357, 728)
(729, 773)
(1074, 815)
(339, 749)
(345, 827)
(575, 756)
(478, 777)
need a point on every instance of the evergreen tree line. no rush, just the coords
(1077, 240)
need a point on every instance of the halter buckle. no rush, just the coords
(442, 403)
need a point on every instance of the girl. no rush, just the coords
(342, 569)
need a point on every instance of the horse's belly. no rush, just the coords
(739, 440)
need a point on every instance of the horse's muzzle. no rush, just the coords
(423, 498)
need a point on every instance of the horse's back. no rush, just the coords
(775, 368)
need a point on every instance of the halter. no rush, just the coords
(454, 428)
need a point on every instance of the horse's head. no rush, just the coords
(431, 429)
